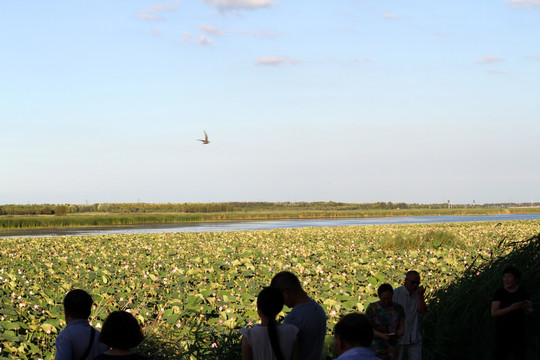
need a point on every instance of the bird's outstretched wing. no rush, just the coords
(205, 140)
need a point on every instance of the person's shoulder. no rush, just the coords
(373, 304)
(289, 328)
(372, 307)
(247, 332)
(400, 291)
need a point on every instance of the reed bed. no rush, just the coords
(112, 219)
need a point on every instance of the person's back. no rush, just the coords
(306, 314)
(78, 341)
(269, 340)
(310, 319)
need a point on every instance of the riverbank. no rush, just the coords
(10, 223)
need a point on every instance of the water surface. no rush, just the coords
(248, 225)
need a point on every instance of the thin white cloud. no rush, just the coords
(156, 32)
(524, 3)
(258, 34)
(211, 30)
(241, 4)
(203, 40)
(152, 12)
(389, 16)
(146, 16)
(186, 37)
(533, 57)
(489, 60)
(500, 72)
(275, 61)
(162, 7)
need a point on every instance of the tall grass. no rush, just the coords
(458, 324)
(107, 219)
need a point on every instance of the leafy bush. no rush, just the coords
(458, 324)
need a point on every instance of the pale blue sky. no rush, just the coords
(337, 100)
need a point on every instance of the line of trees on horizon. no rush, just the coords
(125, 208)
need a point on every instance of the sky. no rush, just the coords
(353, 101)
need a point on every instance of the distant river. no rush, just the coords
(249, 225)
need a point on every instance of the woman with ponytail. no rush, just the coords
(269, 340)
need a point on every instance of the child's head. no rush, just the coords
(78, 304)
(121, 331)
(270, 301)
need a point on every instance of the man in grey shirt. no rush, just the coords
(308, 316)
(78, 341)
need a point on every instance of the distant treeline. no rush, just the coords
(191, 208)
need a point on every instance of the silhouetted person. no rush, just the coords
(388, 321)
(353, 336)
(308, 316)
(509, 306)
(121, 332)
(78, 341)
(269, 340)
(411, 297)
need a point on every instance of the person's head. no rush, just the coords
(412, 280)
(270, 302)
(352, 330)
(386, 294)
(511, 276)
(289, 284)
(121, 331)
(77, 304)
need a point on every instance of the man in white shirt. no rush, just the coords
(411, 297)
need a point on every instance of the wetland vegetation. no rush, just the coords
(193, 291)
(110, 214)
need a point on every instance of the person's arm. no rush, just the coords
(246, 350)
(422, 307)
(295, 351)
(380, 335)
(370, 314)
(528, 307)
(63, 347)
(496, 310)
(401, 328)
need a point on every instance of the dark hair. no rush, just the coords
(270, 303)
(286, 280)
(121, 331)
(355, 329)
(78, 304)
(412, 272)
(384, 288)
(512, 270)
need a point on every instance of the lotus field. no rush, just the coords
(192, 291)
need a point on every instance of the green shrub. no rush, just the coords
(458, 324)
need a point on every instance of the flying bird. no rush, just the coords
(205, 141)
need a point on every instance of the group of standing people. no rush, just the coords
(389, 329)
(395, 319)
